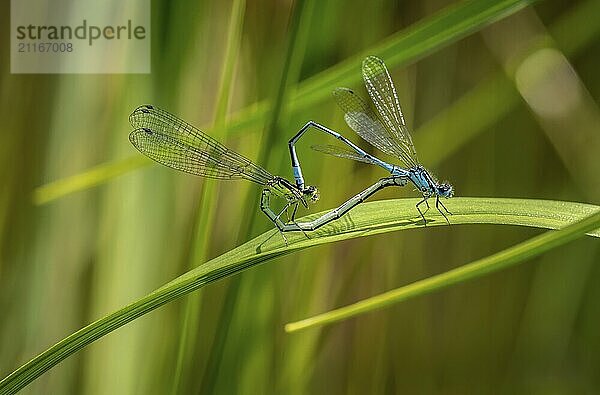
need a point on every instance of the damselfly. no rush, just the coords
(175, 143)
(384, 129)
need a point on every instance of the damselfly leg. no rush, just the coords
(419, 210)
(439, 203)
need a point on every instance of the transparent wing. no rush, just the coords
(361, 118)
(341, 152)
(383, 94)
(174, 143)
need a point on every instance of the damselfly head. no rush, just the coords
(311, 193)
(445, 190)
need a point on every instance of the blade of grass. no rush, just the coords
(407, 46)
(299, 20)
(517, 254)
(205, 214)
(89, 178)
(367, 219)
(404, 47)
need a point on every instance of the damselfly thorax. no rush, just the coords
(422, 180)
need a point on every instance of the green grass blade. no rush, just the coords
(213, 380)
(205, 215)
(407, 46)
(296, 23)
(519, 253)
(367, 219)
(234, 38)
(87, 179)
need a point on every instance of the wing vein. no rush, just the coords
(381, 89)
(175, 143)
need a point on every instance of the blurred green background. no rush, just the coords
(509, 111)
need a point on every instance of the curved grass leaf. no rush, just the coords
(366, 219)
(517, 254)
(438, 31)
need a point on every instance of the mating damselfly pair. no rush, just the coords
(174, 143)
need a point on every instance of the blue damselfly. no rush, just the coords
(385, 129)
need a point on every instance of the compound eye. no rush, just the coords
(315, 195)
